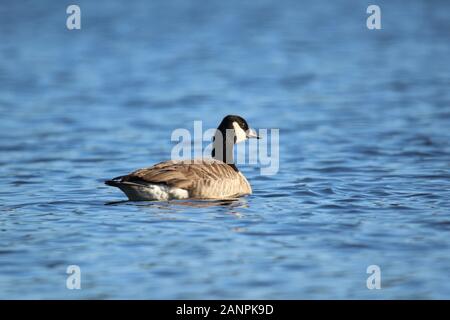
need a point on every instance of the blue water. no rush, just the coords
(364, 120)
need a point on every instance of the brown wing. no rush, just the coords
(185, 174)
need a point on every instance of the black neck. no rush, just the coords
(223, 149)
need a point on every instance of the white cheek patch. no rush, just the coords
(240, 133)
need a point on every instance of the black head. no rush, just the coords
(223, 142)
(227, 123)
(238, 126)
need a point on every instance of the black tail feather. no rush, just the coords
(114, 183)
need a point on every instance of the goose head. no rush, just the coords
(240, 129)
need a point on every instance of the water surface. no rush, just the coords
(364, 120)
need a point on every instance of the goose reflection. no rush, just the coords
(230, 203)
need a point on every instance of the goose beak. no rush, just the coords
(250, 133)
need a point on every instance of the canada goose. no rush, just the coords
(216, 178)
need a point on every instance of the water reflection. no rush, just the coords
(231, 203)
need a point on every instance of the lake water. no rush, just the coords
(364, 177)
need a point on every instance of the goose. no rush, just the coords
(201, 179)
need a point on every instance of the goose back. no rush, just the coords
(203, 179)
